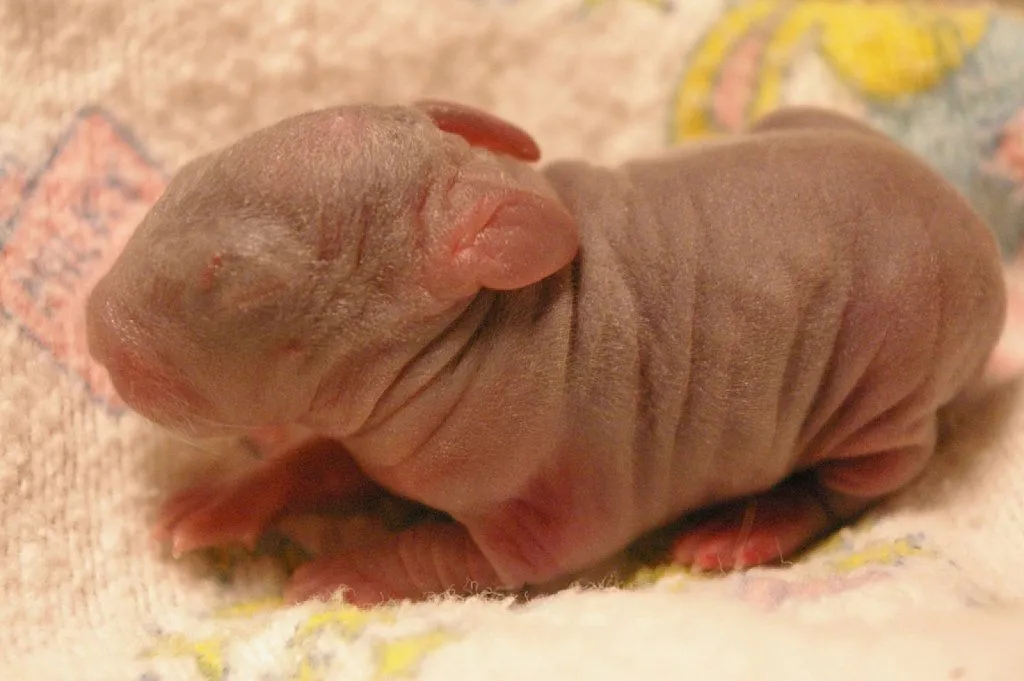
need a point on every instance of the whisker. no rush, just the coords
(189, 439)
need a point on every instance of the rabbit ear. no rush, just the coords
(515, 241)
(481, 129)
(501, 237)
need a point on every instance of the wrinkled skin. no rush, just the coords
(558, 360)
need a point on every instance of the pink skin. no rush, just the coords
(559, 361)
(315, 476)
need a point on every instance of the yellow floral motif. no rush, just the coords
(208, 653)
(649, 576)
(880, 553)
(830, 544)
(401, 657)
(885, 50)
(347, 619)
(250, 608)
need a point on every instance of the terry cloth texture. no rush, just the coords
(103, 100)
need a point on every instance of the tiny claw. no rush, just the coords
(177, 508)
(182, 544)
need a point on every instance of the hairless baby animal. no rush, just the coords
(558, 359)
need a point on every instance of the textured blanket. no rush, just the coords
(103, 99)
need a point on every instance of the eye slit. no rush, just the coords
(209, 274)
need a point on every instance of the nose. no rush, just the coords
(144, 380)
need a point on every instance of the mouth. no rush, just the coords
(158, 393)
(150, 386)
(146, 381)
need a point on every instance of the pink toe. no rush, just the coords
(715, 554)
(685, 550)
(213, 524)
(757, 550)
(704, 547)
(179, 507)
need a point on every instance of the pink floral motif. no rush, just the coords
(1008, 159)
(1007, 360)
(769, 593)
(737, 83)
(67, 225)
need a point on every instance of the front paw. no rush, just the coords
(217, 513)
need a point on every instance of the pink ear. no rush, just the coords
(508, 241)
(481, 129)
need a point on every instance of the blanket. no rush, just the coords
(104, 99)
